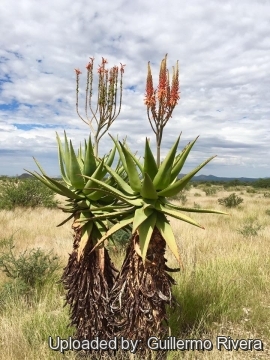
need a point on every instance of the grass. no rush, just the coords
(223, 289)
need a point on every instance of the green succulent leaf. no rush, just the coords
(89, 159)
(145, 230)
(65, 191)
(67, 156)
(121, 154)
(141, 214)
(163, 176)
(177, 215)
(106, 189)
(150, 165)
(105, 216)
(206, 211)
(166, 232)
(98, 174)
(134, 179)
(120, 181)
(181, 161)
(119, 225)
(61, 159)
(46, 182)
(136, 160)
(179, 185)
(75, 171)
(148, 190)
(110, 157)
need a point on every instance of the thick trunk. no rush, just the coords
(87, 291)
(139, 297)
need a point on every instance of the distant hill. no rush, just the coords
(25, 176)
(223, 179)
(202, 178)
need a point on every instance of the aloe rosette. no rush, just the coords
(91, 209)
(146, 192)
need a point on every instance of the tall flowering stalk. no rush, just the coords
(162, 101)
(106, 108)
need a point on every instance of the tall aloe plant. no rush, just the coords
(143, 287)
(89, 275)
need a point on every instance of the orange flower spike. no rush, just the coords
(162, 86)
(175, 94)
(104, 61)
(150, 99)
(122, 68)
(89, 66)
(77, 71)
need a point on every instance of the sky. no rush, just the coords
(223, 48)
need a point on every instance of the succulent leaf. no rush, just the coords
(205, 211)
(148, 190)
(141, 214)
(98, 174)
(61, 159)
(179, 185)
(122, 184)
(67, 156)
(163, 176)
(75, 171)
(89, 159)
(177, 215)
(119, 225)
(166, 232)
(150, 165)
(145, 230)
(132, 172)
(181, 161)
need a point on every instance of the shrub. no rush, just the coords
(251, 191)
(30, 269)
(210, 191)
(196, 206)
(266, 194)
(197, 194)
(231, 201)
(25, 193)
(250, 228)
(267, 212)
(121, 239)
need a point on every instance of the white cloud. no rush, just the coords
(223, 52)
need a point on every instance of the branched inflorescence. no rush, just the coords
(162, 101)
(107, 97)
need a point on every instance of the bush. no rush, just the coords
(266, 194)
(231, 201)
(196, 206)
(197, 194)
(267, 212)
(251, 191)
(25, 193)
(250, 229)
(210, 191)
(121, 239)
(30, 269)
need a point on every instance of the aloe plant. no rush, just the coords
(89, 275)
(143, 278)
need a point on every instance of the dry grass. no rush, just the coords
(223, 289)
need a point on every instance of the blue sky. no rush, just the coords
(223, 50)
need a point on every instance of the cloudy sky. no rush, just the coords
(223, 48)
